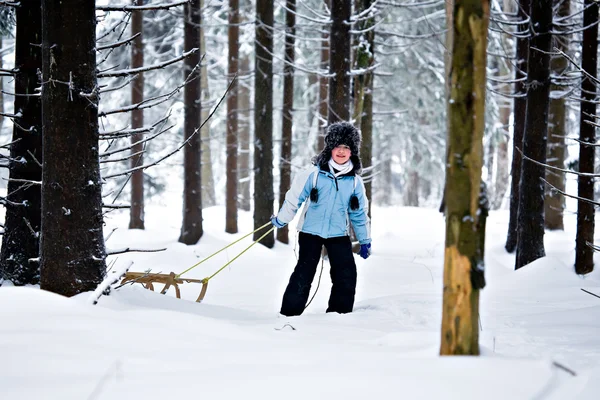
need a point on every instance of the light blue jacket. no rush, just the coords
(330, 215)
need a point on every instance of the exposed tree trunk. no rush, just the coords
(339, 61)
(530, 229)
(501, 172)
(411, 197)
(1, 91)
(519, 108)
(285, 162)
(323, 88)
(244, 132)
(263, 120)
(20, 242)
(554, 202)
(584, 254)
(366, 150)
(72, 253)
(207, 179)
(464, 209)
(385, 185)
(136, 212)
(191, 228)
(231, 197)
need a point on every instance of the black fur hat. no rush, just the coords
(341, 133)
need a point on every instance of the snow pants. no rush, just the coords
(343, 274)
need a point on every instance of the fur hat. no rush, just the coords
(341, 133)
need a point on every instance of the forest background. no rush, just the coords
(297, 67)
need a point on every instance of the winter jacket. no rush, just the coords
(331, 214)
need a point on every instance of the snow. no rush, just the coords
(536, 323)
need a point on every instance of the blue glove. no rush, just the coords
(277, 223)
(365, 250)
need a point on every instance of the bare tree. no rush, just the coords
(339, 61)
(323, 105)
(519, 108)
(231, 196)
(20, 242)
(530, 229)
(263, 119)
(244, 133)
(136, 212)
(584, 260)
(557, 125)
(363, 86)
(465, 207)
(285, 161)
(72, 253)
(191, 227)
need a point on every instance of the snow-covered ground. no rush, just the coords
(537, 326)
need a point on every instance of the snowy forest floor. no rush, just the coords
(537, 326)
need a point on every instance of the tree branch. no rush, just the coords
(141, 8)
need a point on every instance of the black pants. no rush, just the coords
(343, 274)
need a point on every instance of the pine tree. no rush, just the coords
(72, 253)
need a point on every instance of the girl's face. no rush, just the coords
(341, 154)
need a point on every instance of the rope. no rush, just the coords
(318, 284)
(236, 257)
(226, 247)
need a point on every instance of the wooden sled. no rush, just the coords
(148, 280)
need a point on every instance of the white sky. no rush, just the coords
(140, 344)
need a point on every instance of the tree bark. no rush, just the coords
(465, 205)
(584, 254)
(72, 253)
(554, 202)
(263, 120)
(501, 172)
(191, 228)
(244, 129)
(339, 61)
(136, 212)
(207, 176)
(323, 88)
(366, 149)
(20, 242)
(285, 162)
(519, 108)
(231, 207)
(530, 229)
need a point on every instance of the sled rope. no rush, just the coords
(246, 249)
(148, 279)
(226, 247)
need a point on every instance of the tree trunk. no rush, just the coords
(554, 202)
(136, 213)
(465, 209)
(191, 228)
(530, 229)
(285, 162)
(208, 183)
(584, 254)
(366, 150)
(323, 88)
(339, 62)
(244, 132)
(519, 109)
(501, 172)
(263, 120)
(72, 252)
(20, 242)
(1, 90)
(385, 182)
(231, 207)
